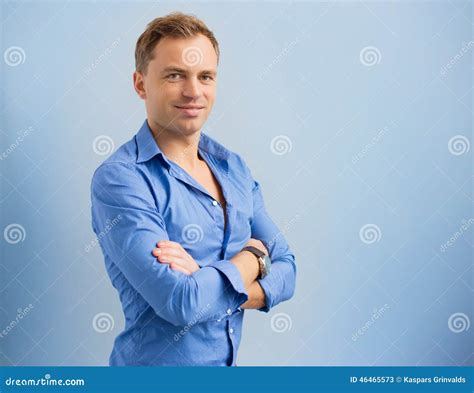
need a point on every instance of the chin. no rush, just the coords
(189, 127)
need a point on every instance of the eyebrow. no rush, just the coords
(182, 71)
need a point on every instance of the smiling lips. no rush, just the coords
(190, 110)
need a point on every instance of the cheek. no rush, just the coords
(163, 97)
(210, 91)
(210, 95)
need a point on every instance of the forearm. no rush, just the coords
(248, 266)
(256, 296)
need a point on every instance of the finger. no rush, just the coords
(172, 252)
(167, 251)
(168, 243)
(179, 268)
(171, 259)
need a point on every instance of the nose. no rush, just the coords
(192, 88)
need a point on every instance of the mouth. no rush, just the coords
(190, 110)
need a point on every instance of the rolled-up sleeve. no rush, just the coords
(121, 195)
(279, 285)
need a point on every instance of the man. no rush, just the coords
(191, 245)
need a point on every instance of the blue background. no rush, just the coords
(346, 114)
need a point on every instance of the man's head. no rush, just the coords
(176, 61)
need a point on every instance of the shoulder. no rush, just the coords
(119, 167)
(125, 154)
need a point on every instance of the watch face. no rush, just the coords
(268, 263)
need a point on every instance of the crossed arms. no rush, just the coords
(177, 294)
(179, 259)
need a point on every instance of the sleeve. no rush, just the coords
(119, 193)
(279, 285)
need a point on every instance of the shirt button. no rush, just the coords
(229, 311)
(214, 203)
(231, 330)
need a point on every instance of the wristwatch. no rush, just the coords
(264, 260)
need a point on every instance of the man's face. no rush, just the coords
(180, 85)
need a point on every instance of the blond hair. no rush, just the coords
(176, 25)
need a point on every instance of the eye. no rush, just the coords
(174, 76)
(207, 77)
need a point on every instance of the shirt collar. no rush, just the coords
(212, 147)
(147, 147)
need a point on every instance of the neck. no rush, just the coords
(182, 149)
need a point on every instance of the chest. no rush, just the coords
(204, 176)
(207, 230)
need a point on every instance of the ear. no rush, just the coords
(139, 84)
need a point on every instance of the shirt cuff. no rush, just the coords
(230, 271)
(268, 295)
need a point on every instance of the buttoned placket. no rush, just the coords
(218, 215)
(216, 210)
(231, 326)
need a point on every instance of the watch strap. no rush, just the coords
(254, 250)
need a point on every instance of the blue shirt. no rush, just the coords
(139, 197)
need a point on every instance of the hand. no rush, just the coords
(257, 244)
(176, 256)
